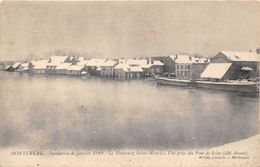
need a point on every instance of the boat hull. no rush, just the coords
(243, 87)
(173, 82)
(249, 87)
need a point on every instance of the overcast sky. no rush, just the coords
(128, 29)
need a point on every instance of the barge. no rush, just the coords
(173, 82)
(235, 85)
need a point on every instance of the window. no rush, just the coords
(177, 66)
(181, 66)
(188, 66)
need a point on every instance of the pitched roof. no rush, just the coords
(173, 57)
(185, 59)
(215, 70)
(95, 62)
(127, 68)
(153, 63)
(241, 56)
(33, 62)
(135, 69)
(75, 67)
(122, 66)
(39, 64)
(109, 63)
(56, 60)
(139, 62)
(70, 58)
(15, 65)
(63, 66)
(157, 62)
(7, 67)
(82, 62)
(81, 58)
(24, 66)
(200, 60)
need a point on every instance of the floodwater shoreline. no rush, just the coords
(186, 86)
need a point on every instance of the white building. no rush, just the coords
(107, 68)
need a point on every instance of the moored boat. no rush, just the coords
(243, 86)
(174, 82)
(238, 86)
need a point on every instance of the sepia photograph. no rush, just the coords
(129, 83)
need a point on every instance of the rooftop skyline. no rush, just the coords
(127, 29)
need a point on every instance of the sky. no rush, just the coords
(127, 29)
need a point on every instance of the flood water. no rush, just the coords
(69, 112)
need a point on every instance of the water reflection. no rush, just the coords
(65, 112)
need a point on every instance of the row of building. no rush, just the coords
(63, 65)
(224, 65)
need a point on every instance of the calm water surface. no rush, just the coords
(68, 112)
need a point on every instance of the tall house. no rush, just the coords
(185, 67)
(107, 68)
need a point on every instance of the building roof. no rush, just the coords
(34, 62)
(75, 68)
(81, 58)
(215, 70)
(127, 68)
(173, 57)
(185, 59)
(15, 65)
(95, 62)
(152, 63)
(136, 65)
(157, 62)
(39, 64)
(63, 66)
(122, 66)
(7, 67)
(200, 60)
(109, 63)
(241, 56)
(137, 62)
(56, 60)
(59, 59)
(70, 58)
(24, 66)
(135, 69)
(82, 62)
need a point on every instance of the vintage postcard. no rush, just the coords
(129, 83)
